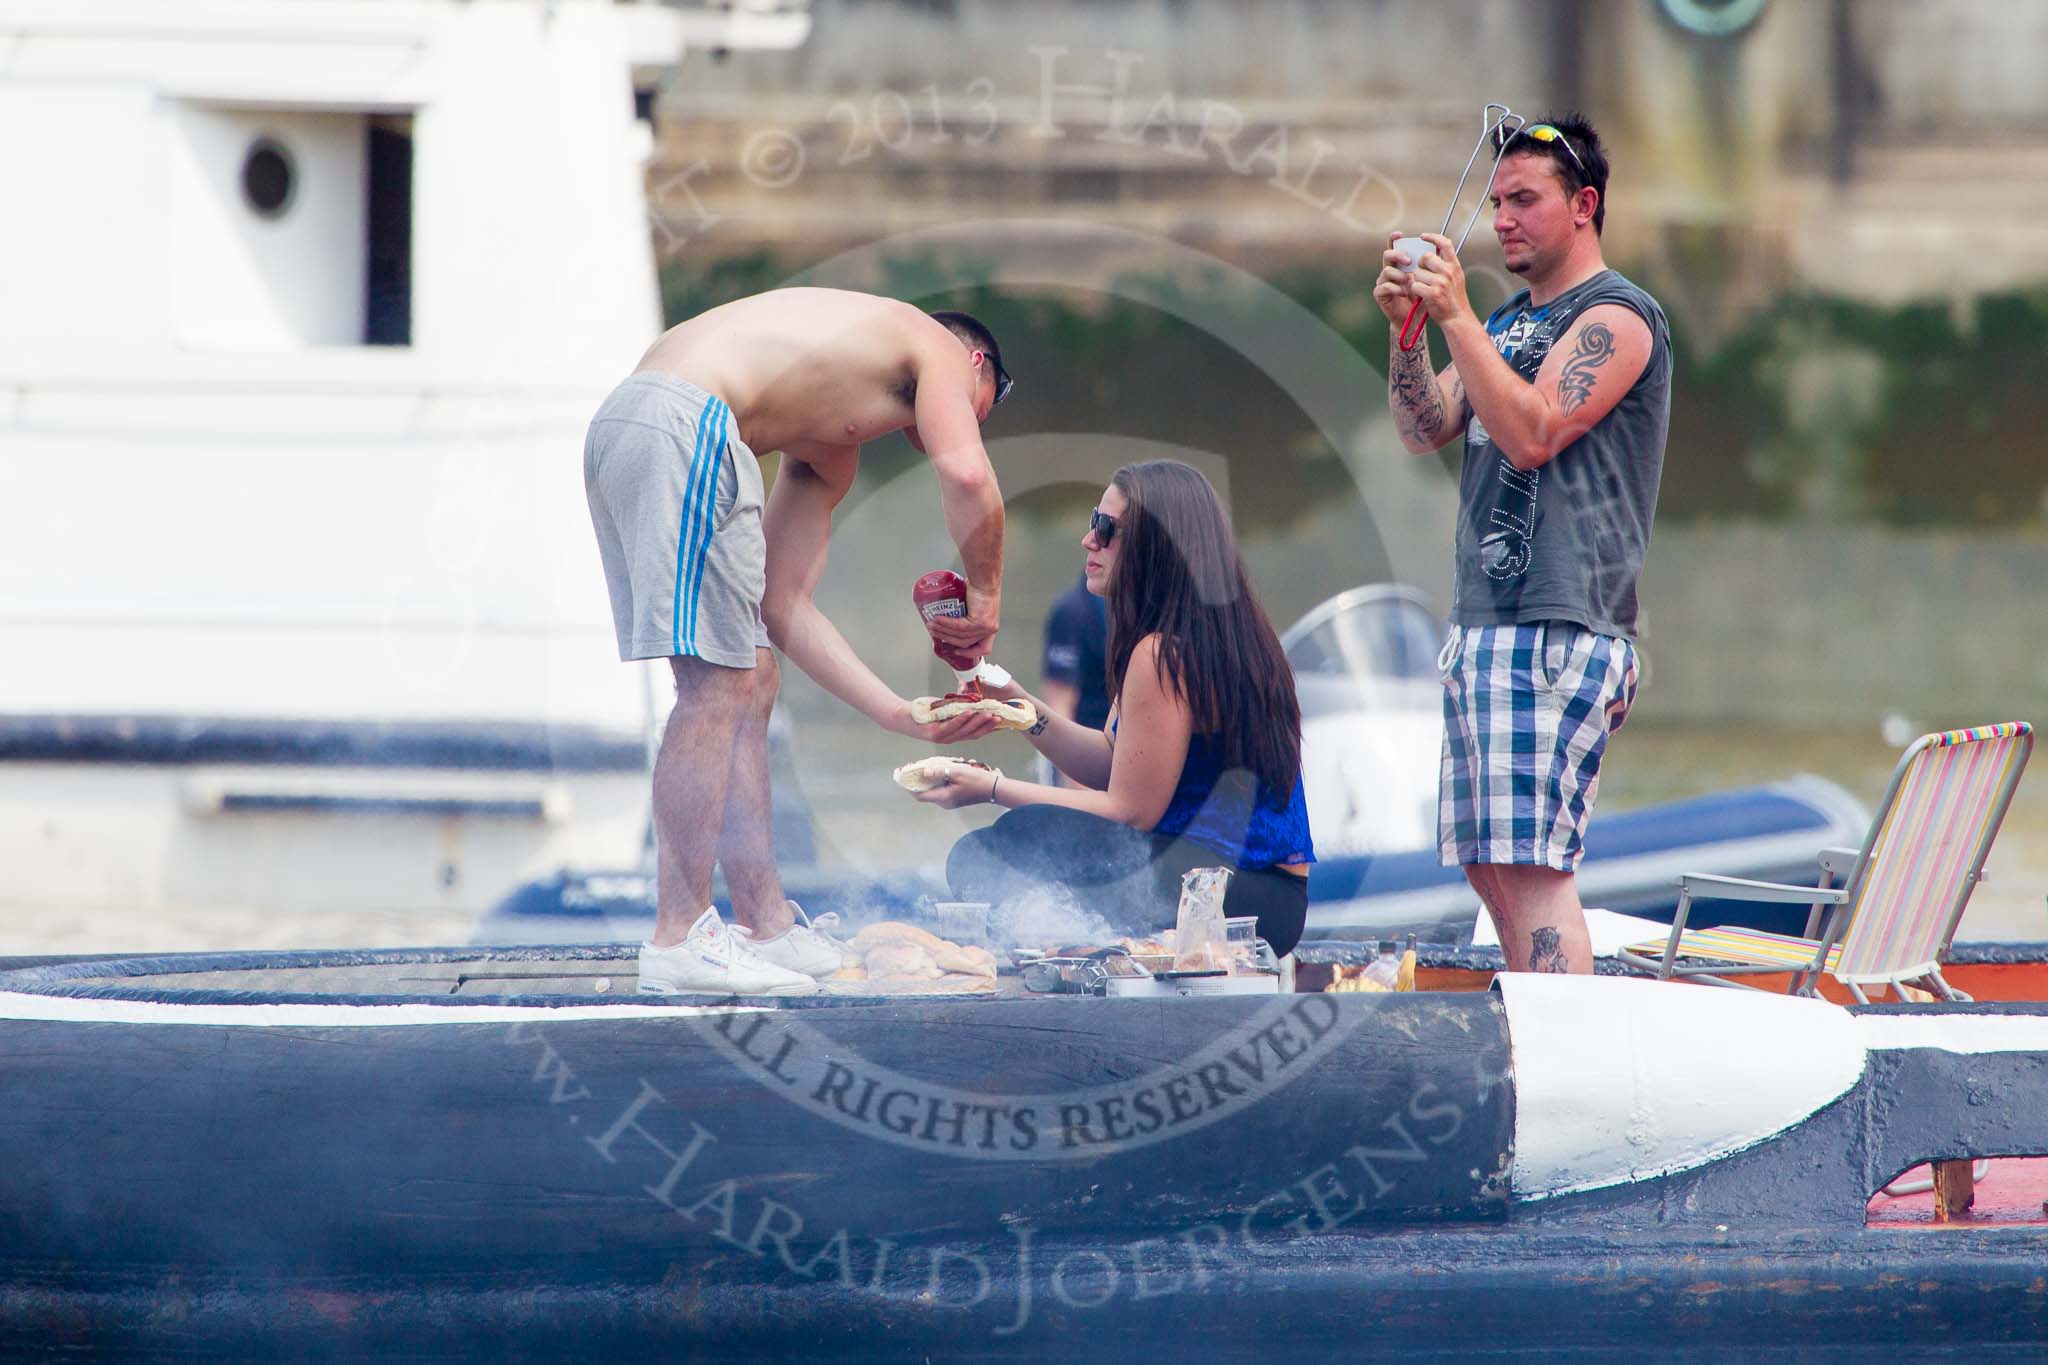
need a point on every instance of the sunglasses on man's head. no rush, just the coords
(1547, 134)
(1102, 526)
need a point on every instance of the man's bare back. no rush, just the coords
(810, 370)
(813, 374)
(708, 570)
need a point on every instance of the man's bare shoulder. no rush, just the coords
(805, 366)
(767, 328)
(812, 305)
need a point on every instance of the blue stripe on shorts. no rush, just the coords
(708, 510)
(693, 536)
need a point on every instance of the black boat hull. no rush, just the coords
(235, 1171)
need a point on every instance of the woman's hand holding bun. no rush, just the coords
(949, 782)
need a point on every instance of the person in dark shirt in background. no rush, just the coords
(1076, 654)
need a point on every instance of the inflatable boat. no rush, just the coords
(1770, 832)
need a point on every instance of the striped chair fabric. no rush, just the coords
(1909, 891)
(1923, 862)
(1729, 943)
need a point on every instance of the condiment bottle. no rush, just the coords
(943, 593)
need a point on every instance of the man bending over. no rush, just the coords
(703, 574)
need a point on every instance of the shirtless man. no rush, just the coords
(705, 576)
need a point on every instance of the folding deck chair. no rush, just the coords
(1890, 918)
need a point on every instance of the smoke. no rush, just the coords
(1048, 916)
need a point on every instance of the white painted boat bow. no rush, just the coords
(1619, 1079)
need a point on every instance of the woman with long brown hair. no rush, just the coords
(1200, 763)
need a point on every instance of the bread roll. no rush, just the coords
(896, 931)
(1010, 715)
(901, 959)
(928, 773)
(969, 961)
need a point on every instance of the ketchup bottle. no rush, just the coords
(944, 593)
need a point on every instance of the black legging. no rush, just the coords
(1131, 879)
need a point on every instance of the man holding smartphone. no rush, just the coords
(1563, 396)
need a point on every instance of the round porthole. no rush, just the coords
(1714, 18)
(268, 178)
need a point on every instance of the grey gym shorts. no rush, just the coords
(675, 497)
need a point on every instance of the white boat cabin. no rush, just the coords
(308, 302)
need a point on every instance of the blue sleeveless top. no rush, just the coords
(1230, 812)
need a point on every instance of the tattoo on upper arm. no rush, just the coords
(1575, 381)
(1418, 401)
(1545, 953)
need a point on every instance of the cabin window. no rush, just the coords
(290, 228)
(268, 177)
(387, 292)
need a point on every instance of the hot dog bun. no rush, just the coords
(901, 959)
(928, 773)
(1010, 715)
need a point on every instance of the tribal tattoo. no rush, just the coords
(1418, 401)
(1545, 953)
(1575, 381)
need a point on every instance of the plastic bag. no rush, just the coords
(1201, 940)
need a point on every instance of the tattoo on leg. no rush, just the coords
(1575, 381)
(1418, 402)
(1545, 955)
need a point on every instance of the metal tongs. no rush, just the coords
(1489, 127)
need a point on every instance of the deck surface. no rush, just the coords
(2013, 1191)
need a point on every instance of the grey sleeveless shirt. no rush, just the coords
(1564, 542)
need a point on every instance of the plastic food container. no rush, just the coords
(964, 922)
(1241, 936)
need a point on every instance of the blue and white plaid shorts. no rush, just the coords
(1527, 713)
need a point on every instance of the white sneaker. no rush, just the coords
(713, 960)
(803, 947)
